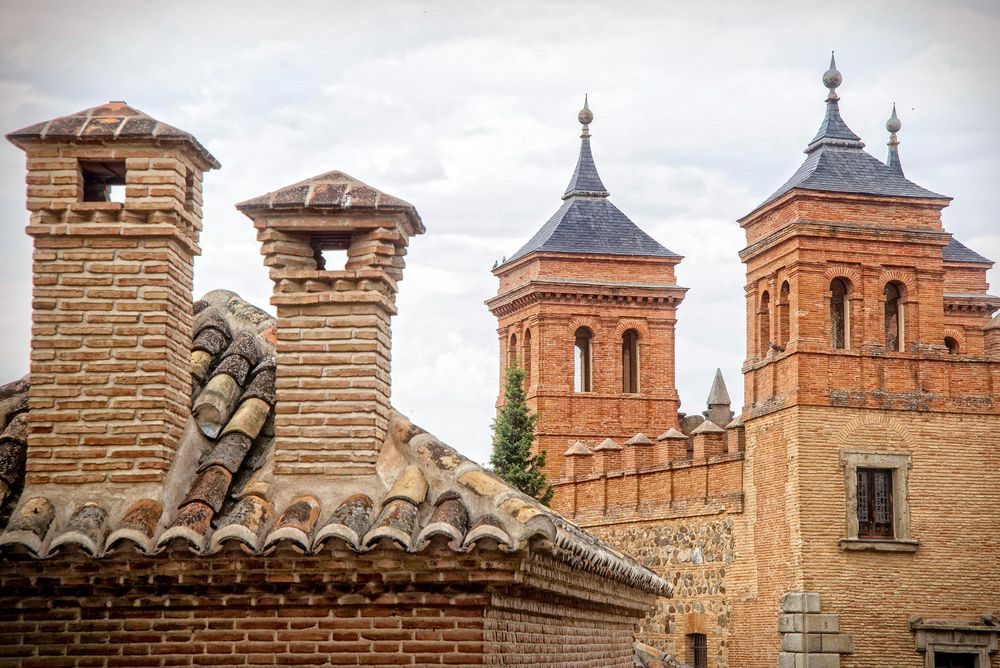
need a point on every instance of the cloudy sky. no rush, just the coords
(468, 110)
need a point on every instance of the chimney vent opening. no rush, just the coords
(103, 180)
(330, 251)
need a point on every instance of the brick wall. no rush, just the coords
(387, 607)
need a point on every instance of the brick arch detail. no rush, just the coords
(850, 273)
(579, 322)
(903, 277)
(626, 324)
(957, 334)
(872, 420)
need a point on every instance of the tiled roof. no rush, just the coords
(956, 251)
(108, 122)
(332, 190)
(588, 223)
(837, 162)
(224, 489)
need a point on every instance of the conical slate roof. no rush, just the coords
(588, 222)
(718, 395)
(837, 162)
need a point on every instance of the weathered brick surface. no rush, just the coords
(335, 608)
(111, 313)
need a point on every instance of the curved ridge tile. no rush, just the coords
(348, 522)
(249, 418)
(215, 404)
(247, 522)
(397, 521)
(210, 488)
(30, 524)
(245, 346)
(488, 526)
(228, 452)
(296, 523)
(450, 518)
(85, 528)
(14, 449)
(192, 524)
(410, 486)
(137, 525)
(234, 366)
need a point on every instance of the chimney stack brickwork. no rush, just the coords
(334, 335)
(111, 302)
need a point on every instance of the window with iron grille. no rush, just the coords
(698, 650)
(875, 503)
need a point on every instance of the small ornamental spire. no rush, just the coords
(832, 79)
(586, 117)
(585, 182)
(893, 125)
(834, 131)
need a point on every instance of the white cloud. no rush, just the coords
(468, 111)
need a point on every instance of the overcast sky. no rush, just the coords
(468, 110)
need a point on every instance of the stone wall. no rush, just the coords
(695, 556)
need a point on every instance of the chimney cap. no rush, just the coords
(114, 121)
(332, 190)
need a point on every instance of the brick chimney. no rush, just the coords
(112, 303)
(334, 337)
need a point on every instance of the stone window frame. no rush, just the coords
(899, 463)
(978, 639)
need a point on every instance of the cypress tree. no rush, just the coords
(513, 435)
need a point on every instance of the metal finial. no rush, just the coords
(832, 78)
(893, 125)
(586, 117)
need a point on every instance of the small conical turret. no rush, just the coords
(834, 131)
(718, 401)
(585, 182)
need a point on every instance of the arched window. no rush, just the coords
(952, 344)
(526, 357)
(894, 317)
(840, 314)
(764, 324)
(582, 358)
(630, 362)
(512, 351)
(783, 315)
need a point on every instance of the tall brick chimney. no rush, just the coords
(111, 306)
(334, 337)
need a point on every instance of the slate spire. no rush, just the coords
(893, 125)
(834, 131)
(718, 395)
(586, 182)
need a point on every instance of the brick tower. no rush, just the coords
(588, 308)
(871, 411)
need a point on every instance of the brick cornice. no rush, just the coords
(594, 292)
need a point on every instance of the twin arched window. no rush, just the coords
(583, 361)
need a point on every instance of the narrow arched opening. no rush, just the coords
(764, 324)
(894, 316)
(630, 362)
(512, 351)
(951, 343)
(583, 360)
(840, 314)
(526, 357)
(783, 315)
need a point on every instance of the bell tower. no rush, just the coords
(871, 405)
(587, 307)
